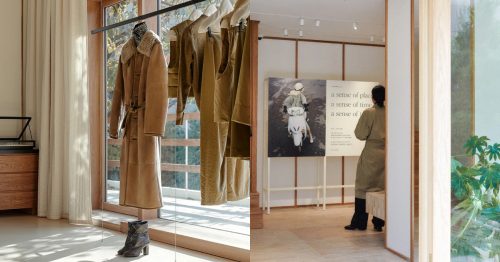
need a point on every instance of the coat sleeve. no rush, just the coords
(363, 128)
(156, 105)
(116, 103)
(185, 76)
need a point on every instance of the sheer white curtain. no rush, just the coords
(55, 52)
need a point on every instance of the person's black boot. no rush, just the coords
(139, 241)
(360, 218)
(350, 227)
(378, 224)
(132, 226)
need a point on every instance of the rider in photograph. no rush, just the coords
(296, 105)
(296, 99)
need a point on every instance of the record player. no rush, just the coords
(18, 143)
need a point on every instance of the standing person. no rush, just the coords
(371, 165)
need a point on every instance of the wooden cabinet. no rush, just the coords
(18, 180)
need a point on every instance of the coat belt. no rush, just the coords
(132, 109)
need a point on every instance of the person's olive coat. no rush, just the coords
(139, 106)
(371, 164)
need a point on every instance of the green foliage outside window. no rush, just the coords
(173, 179)
(475, 220)
(194, 181)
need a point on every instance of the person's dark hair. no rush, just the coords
(378, 94)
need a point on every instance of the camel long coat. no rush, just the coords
(371, 164)
(139, 106)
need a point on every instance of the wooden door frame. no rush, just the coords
(435, 130)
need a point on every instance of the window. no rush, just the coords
(180, 149)
(114, 41)
(475, 137)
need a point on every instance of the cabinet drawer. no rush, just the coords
(18, 163)
(17, 200)
(18, 182)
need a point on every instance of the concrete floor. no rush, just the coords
(312, 234)
(29, 238)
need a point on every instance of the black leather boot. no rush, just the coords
(378, 224)
(139, 241)
(360, 218)
(132, 226)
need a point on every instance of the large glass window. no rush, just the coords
(180, 150)
(475, 66)
(115, 39)
(181, 178)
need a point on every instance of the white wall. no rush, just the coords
(10, 65)
(315, 61)
(276, 59)
(398, 168)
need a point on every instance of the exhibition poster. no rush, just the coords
(315, 117)
(346, 101)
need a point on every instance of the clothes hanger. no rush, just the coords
(213, 21)
(195, 15)
(192, 17)
(241, 12)
(210, 10)
(139, 24)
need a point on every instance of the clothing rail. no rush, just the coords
(142, 17)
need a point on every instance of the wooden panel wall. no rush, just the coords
(256, 217)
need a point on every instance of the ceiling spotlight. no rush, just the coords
(372, 38)
(285, 32)
(318, 22)
(301, 33)
(302, 22)
(355, 26)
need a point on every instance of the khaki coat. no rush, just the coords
(140, 102)
(371, 164)
(173, 65)
(190, 66)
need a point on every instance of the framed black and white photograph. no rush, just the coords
(296, 117)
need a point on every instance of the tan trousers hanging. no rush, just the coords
(237, 172)
(213, 135)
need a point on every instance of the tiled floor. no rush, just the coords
(28, 238)
(311, 234)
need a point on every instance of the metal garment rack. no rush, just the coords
(146, 16)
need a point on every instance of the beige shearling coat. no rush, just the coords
(371, 164)
(139, 106)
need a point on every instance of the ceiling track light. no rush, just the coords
(301, 21)
(285, 32)
(318, 22)
(355, 26)
(301, 33)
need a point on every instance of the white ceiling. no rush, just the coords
(336, 16)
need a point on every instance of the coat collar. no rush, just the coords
(149, 39)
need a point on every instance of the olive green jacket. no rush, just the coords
(371, 165)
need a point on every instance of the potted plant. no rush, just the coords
(475, 220)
